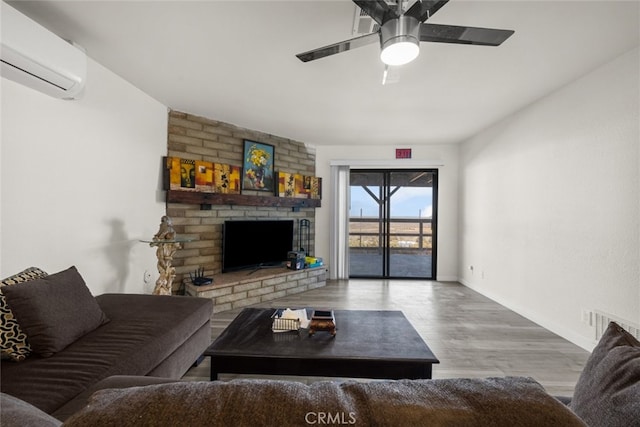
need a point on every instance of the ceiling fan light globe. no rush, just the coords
(400, 40)
(399, 53)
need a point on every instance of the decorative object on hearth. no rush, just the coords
(304, 236)
(198, 278)
(322, 320)
(167, 243)
(312, 262)
(257, 169)
(295, 260)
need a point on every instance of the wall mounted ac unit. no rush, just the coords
(35, 57)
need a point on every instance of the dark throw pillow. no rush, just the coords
(13, 340)
(54, 311)
(608, 390)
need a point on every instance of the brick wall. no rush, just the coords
(198, 138)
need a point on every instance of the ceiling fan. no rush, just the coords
(400, 32)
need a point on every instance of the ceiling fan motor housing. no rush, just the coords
(404, 29)
(401, 32)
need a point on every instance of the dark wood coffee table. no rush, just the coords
(367, 344)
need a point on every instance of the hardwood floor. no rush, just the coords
(471, 335)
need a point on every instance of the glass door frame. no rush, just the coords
(385, 220)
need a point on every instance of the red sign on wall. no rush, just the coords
(403, 153)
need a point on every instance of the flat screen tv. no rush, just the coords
(255, 244)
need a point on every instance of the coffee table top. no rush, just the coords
(361, 334)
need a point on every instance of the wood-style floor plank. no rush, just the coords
(471, 335)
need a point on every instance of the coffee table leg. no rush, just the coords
(214, 373)
(427, 371)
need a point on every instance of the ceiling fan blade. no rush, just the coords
(343, 46)
(463, 35)
(423, 10)
(378, 10)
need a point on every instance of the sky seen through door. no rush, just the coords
(407, 202)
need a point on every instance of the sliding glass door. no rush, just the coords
(392, 223)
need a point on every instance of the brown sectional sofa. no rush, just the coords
(607, 394)
(508, 402)
(144, 335)
(161, 335)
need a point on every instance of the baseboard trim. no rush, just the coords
(569, 335)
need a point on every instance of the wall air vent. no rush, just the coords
(602, 319)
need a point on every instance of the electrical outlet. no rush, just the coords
(586, 316)
(147, 276)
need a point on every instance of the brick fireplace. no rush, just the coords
(199, 138)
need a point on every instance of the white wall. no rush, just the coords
(549, 203)
(447, 155)
(80, 181)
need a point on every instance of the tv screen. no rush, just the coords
(255, 244)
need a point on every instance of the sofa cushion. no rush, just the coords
(17, 413)
(448, 402)
(116, 381)
(13, 340)
(55, 310)
(608, 390)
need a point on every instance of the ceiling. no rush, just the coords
(234, 61)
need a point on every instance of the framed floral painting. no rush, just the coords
(257, 167)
